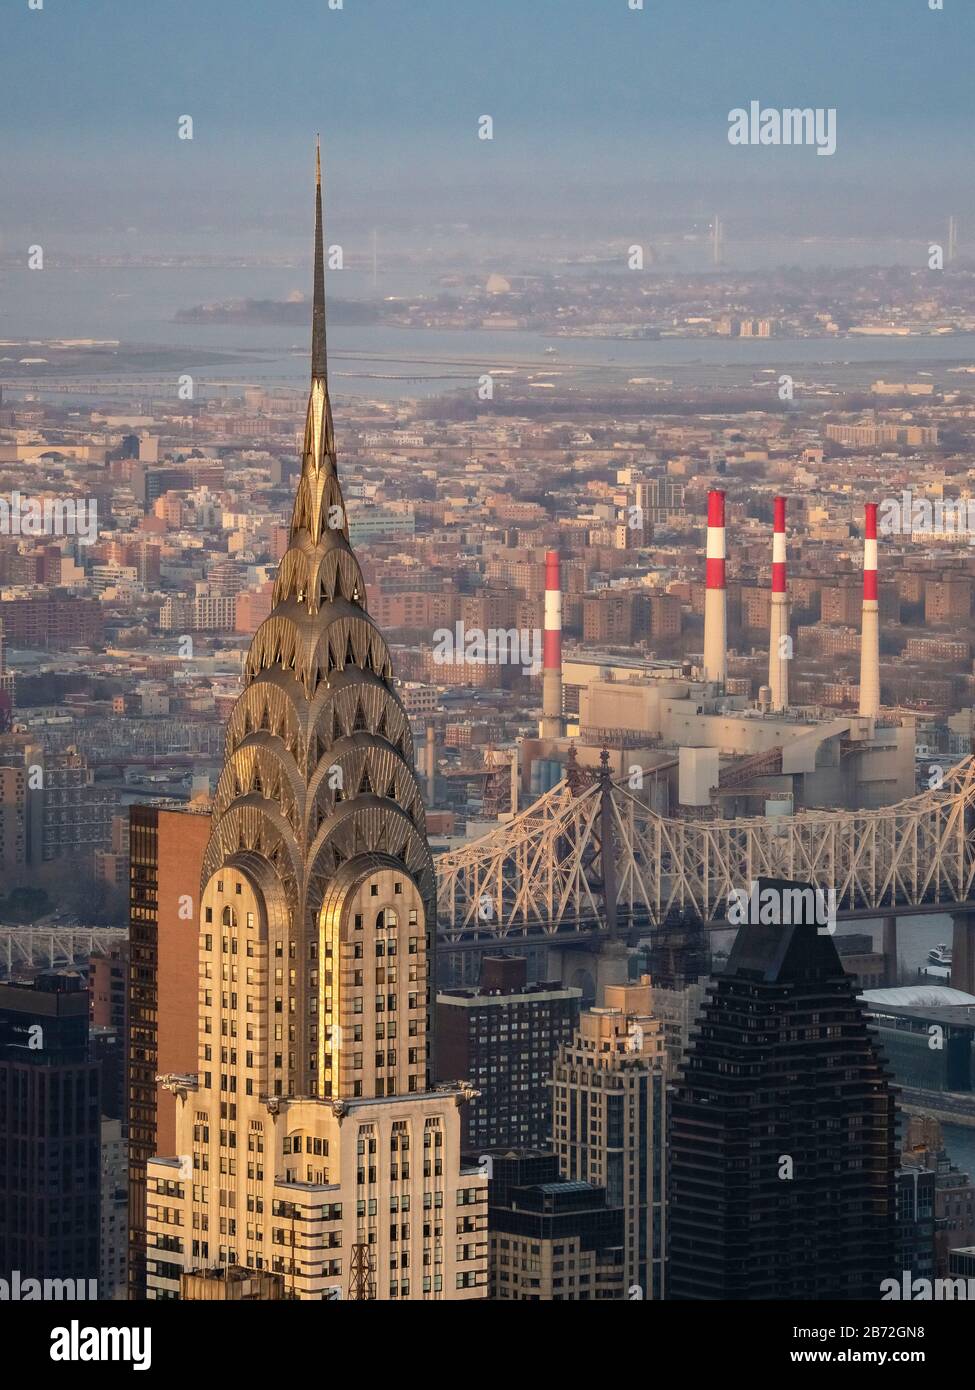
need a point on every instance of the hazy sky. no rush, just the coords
(599, 111)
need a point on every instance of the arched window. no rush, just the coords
(229, 918)
(386, 919)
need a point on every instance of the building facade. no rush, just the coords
(924, 1152)
(50, 806)
(504, 1037)
(166, 859)
(113, 1234)
(782, 1152)
(50, 1157)
(610, 1122)
(310, 1139)
(553, 1240)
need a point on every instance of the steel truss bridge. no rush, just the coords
(122, 739)
(543, 876)
(32, 948)
(540, 877)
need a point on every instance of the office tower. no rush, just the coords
(610, 1122)
(779, 654)
(552, 1240)
(870, 623)
(915, 1222)
(114, 1216)
(504, 1038)
(782, 1131)
(49, 1131)
(677, 1008)
(108, 979)
(50, 806)
(77, 811)
(21, 802)
(108, 976)
(108, 1050)
(8, 689)
(430, 769)
(954, 1193)
(15, 819)
(166, 860)
(961, 1265)
(715, 598)
(309, 1139)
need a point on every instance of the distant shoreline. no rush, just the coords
(279, 312)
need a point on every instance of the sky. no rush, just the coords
(600, 112)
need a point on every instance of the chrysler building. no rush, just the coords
(312, 1143)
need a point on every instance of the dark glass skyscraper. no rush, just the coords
(782, 1146)
(50, 1161)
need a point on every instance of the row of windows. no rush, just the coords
(434, 1285)
(368, 1207)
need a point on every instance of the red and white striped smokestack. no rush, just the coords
(715, 598)
(870, 628)
(551, 724)
(779, 645)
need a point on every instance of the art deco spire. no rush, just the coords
(319, 766)
(318, 363)
(316, 944)
(318, 454)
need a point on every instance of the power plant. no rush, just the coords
(691, 741)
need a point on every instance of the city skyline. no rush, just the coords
(487, 668)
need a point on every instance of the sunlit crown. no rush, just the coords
(318, 765)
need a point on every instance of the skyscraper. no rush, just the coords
(310, 1140)
(782, 1155)
(553, 1239)
(166, 854)
(610, 1122)
(50, 1176)
(504, 1036)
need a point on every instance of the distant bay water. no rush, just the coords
(138, 306)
